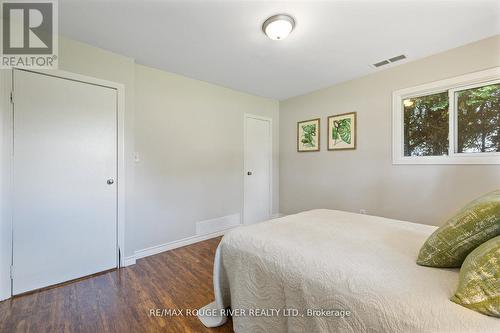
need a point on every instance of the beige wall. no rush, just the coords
(365, 178)
(189, 137)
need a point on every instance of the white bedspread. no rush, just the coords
(326, 259)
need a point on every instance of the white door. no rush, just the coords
(258, 157)
(65, 153)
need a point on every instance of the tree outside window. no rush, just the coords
(426, 125)
(477, 114)
(478, 119)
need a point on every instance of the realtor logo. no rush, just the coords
(29, 34)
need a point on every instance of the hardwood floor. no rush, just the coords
(121, 300)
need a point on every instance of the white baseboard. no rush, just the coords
(204, 230)
(131, 260)
(175, 244)
(4, 295)
(128, 261)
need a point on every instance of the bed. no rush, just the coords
(357, 272)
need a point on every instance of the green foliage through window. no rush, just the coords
(478, 119)
(426, 125)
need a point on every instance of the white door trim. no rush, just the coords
(6, 78)
(270, 120)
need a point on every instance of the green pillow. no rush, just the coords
(476, 223)
(479, 282)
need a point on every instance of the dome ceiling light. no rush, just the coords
(279, 26)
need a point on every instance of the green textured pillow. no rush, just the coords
(476, 223)
(479, 282)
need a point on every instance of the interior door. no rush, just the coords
(258, 149)
(65, 192)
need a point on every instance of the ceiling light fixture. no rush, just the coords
(279, 26)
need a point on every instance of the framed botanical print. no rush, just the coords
(308, 138)
(342, 131)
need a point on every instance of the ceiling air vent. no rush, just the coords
(388, 61)
(381, 63)
(397, 58)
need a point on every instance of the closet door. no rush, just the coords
(65, 186)
(258, 161)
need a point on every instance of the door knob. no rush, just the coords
(249, 173)
(110, 181)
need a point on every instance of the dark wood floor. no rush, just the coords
(121, 300)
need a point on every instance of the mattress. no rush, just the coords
(334, 271)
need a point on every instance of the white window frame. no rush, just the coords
(452, 85)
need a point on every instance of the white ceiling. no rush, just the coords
(222, 42)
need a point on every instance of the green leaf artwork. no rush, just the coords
(308, 135)
(341, 131)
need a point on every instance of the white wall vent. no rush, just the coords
(217, 224)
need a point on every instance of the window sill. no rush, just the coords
(493, 158)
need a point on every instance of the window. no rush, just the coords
(478, 119)
(454, 121)
(426, 125)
